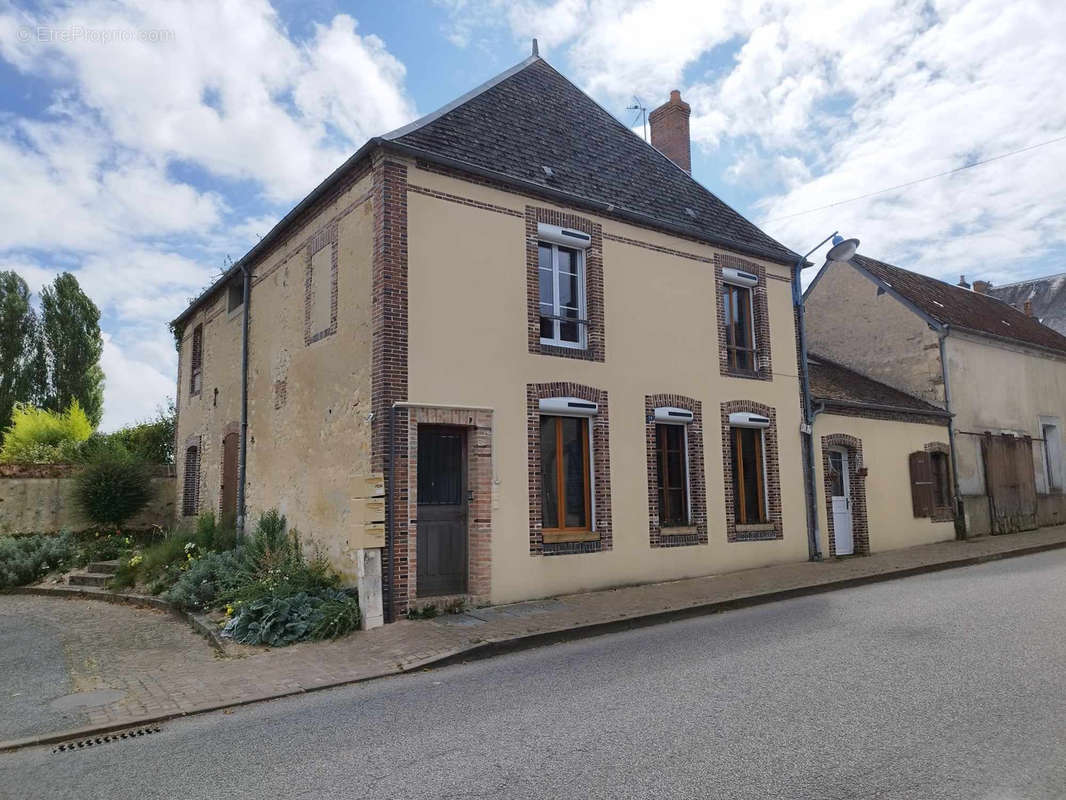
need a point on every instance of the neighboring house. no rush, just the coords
(882, 464)
(1043, 298)
(1000, 373)
(570, 364)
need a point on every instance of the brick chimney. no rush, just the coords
(982, 287)
(1028, 308)
(669, 130)
(962, 282)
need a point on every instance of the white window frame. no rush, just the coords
(547, 237)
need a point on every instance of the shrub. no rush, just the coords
(24, 559)
(38, 436)
(209, 580)
(277, 621)
(112, 489)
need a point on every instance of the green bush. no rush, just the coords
(25, 559)
(209, 580)
(37, 436)
(277, 621)
(112, 489)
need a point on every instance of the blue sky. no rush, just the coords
(144, 141)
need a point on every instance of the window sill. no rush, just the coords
(749, 374)
(558, 537)
(756, 528)
(679, 530)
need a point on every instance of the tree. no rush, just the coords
(20, 344)
(70, 323)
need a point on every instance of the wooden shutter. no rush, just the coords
(921, 484)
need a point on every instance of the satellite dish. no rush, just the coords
(842, 250)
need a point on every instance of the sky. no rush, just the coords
(144, 142)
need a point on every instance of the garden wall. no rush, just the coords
(38, 498)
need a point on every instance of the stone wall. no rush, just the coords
(39, 499)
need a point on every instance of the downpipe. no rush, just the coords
(960, 515)
(242, 457)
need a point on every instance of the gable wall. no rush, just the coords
(876, 335)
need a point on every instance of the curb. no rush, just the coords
(198, 622)
(492, 647)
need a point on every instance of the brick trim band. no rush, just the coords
(860, 528)
(464, 201)
(774, 528)
(697, 484)
(601, 468)
(760, 323)
(596, 336)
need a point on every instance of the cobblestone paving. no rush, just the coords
(162, 667)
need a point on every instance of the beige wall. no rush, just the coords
(873, 334)
(886, 446)
(468, 346)
(309, 433)
(46, 505)
(997, 387)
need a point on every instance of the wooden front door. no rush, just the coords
(228, 506)
(442, 511)
(1010, 481)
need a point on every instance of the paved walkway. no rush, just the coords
(142, 664)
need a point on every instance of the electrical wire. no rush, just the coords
(920, 180)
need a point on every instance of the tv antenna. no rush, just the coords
(642, 112)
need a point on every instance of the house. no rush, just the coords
(507, 351)
(1042, 298)
(882, 465)
(999, 373)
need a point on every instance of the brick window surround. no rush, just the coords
(601, 468)
(478, 424)
(327, 237)
(596, 349)
(947, 513)
(760, 322)
(696, 531)
(196, 361)
(773, 528)
(190, 479)
(860, 528)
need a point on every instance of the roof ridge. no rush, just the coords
(1028, 280)
(422, 121)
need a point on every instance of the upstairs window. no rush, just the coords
(234, 295)
(561, 274)
(196, 360)
(739, 327)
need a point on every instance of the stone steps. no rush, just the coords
(98, 573)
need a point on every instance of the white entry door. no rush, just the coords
(841, 492)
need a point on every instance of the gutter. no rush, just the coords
(960, 517)
(263, 245)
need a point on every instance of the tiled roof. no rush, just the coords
(1047, 296)
(531, 117)
(962, 308)
(832, 382)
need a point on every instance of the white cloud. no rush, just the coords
(98, 180)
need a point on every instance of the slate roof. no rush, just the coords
(1047, 295)
(961, 308)
(531, 117)
(832, 382)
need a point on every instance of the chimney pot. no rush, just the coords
(962, 282)
(1028, 308)
(669, 130)
(982, 287)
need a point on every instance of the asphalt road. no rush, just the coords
(950, 685)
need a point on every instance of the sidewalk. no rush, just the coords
(165, 670)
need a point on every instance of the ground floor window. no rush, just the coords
(565, 476)
(941, 480)
(749, 485)
(671, 454)
(190, 499)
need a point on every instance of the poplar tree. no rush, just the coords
(70, 327)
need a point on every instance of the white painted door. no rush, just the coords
(841, 494)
